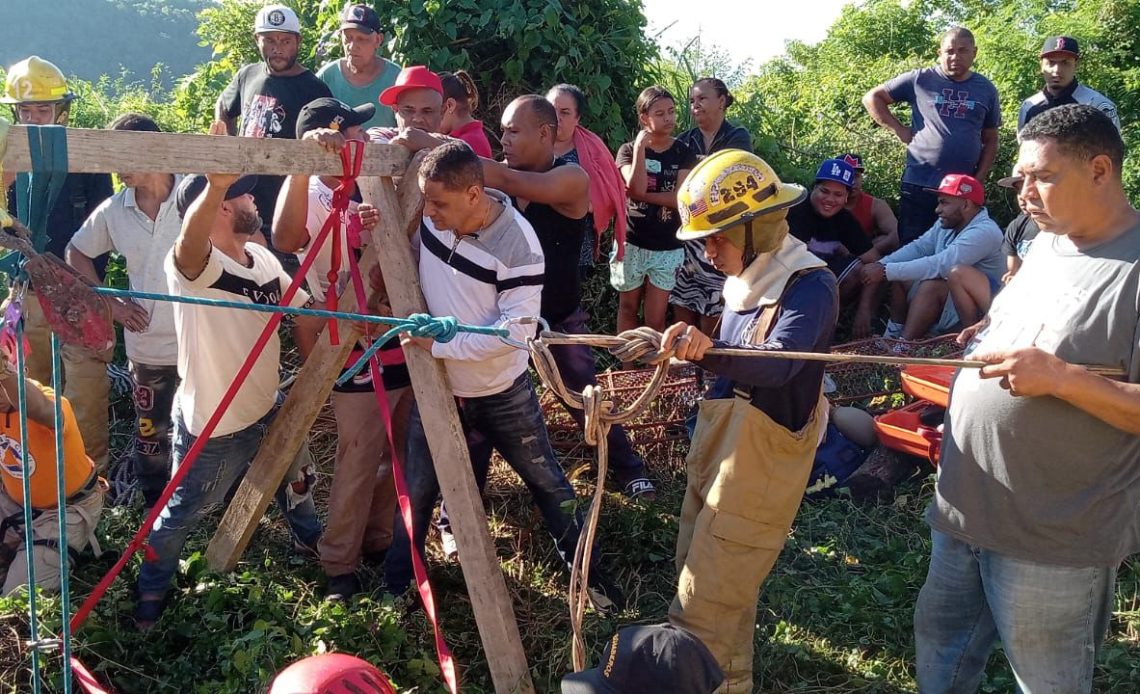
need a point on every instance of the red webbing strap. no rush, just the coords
(137, 542)
(86, 679)
(446, 661)
(351, 157)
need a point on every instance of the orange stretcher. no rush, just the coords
(930, 383)
(903, 430)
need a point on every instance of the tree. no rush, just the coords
(804, 106)
(510, 47)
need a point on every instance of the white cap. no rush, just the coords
(276, 18)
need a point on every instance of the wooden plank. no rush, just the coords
(112, 151)
(494, 614)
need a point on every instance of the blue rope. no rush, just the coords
(29, 538)
(442, 329)
(61, 512)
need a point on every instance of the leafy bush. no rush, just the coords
(805, 106)
(510, 47)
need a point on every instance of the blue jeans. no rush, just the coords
(153, 395)
(511, 422)
(916, 211)
(1051, 619)
(221, 463)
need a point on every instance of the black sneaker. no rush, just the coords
(605, 596)
(635, 485)
(342, 588)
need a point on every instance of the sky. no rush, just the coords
(747, 29)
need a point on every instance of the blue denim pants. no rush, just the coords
(916, 211)
(1051, 619)
(511, 422)
(222, 462)
(153, 395)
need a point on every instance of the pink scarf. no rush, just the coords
(607, 187)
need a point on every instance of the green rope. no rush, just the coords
(61, 511)
(29, 538)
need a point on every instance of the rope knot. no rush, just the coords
(642, 345)
(441, 329)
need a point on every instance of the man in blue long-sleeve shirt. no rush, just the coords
(919, 272)
(760, 423)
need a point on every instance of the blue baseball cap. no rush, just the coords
(836, 170)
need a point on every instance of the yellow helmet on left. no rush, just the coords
(35, 80)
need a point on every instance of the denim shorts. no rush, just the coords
(659, 266)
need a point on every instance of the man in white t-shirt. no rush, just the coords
(362, 497)
(211, 259)
(140, 223)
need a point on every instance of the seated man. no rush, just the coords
(212, 259)
(874, 215)
(83, 488)
(970, 289)
(919, 271)
(834, 236)
(480, 261)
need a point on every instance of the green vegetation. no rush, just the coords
(836, 614)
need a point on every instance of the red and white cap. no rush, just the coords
(961, 186)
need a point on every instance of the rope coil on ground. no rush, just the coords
(601, 414)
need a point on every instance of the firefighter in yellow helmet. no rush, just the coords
(39, 95)
(761, 421)
(38, 92)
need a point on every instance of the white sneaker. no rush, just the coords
(450, 547)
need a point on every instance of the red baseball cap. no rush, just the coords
(414, 77)
(961, 186)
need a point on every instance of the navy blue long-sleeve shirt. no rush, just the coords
(787, 390)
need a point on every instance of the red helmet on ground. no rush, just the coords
(331, 673)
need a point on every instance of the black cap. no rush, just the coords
(327, 112)
(360, 17)
(192, 186)
(655, 658)
(1061, 44)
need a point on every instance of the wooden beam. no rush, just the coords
(112, 151)
(494, 614)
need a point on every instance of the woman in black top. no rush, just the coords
(696, 298)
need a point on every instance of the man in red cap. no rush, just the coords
(1060, 57)
(417, 99)
(919, 272)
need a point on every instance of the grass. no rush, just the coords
(835, 615)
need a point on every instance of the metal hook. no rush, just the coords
(521, 320)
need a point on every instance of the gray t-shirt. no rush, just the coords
(947, 119)
(1035, 477)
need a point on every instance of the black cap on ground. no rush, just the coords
(649, 658)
